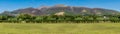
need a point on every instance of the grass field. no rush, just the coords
(60, 28)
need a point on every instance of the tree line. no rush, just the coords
(26, 18)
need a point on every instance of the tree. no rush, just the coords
(25, 17)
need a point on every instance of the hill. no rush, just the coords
(71, 10)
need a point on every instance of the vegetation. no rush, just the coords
(60, 28)
(62, 18)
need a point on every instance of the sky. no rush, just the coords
(10, 5)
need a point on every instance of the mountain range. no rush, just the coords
(70, 10)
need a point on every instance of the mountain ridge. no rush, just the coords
(70, 9)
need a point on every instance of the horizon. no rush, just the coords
(10, 5)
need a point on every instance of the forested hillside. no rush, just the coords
(60, 13)
(71, 10)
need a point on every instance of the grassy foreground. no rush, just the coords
(60, 28)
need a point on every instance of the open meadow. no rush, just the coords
(59, 28)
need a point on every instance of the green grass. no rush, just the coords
(60, 28)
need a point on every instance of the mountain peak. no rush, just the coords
(60, 5)
(62, 9)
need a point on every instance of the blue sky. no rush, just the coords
(10, 5)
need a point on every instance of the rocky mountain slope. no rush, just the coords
(71, 10)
